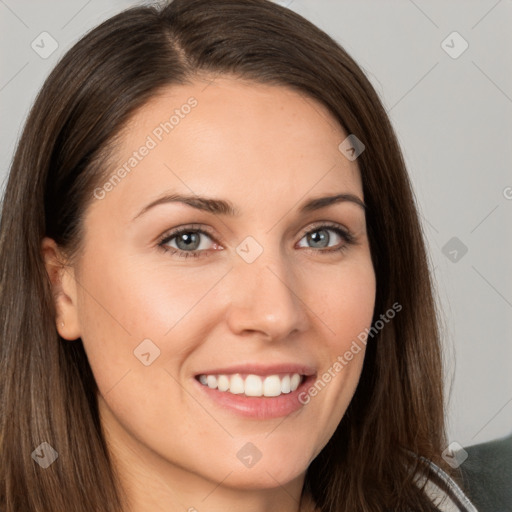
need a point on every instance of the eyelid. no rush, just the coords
(199, 228)
(326, 224)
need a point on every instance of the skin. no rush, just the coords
(266, 149)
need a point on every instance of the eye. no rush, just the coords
(321, 237)
(188, 241)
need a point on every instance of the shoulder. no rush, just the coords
(444, 492)
(487, 475)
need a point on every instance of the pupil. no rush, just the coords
(318, 237)
(189, 239)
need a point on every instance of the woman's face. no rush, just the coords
(167, 295)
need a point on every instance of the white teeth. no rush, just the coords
(272, 386)
(254, 385)
(285, 384)
(223, 383)
(295, 381)
(236, 386)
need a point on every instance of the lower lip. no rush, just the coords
(258, 407)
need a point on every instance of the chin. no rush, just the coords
(263, 478)
(274, 470)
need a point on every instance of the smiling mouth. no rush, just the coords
(252, 385)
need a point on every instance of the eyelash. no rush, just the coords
(347, 237)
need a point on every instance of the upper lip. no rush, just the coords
(261, 369)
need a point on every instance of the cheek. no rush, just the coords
(347, 301)
(125, 303)
(140, 323)
(347, 310)
(121, 318)
(137, 331)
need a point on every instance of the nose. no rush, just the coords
(266, 299)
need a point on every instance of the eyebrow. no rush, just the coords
(223, 207)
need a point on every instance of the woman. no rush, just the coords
(215, 293)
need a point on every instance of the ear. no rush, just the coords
(64, 288)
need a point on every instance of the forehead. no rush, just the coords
(252, 143)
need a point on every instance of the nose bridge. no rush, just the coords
(264, 298)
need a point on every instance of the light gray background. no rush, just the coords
(453, 119)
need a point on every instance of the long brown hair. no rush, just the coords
(48, 393)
